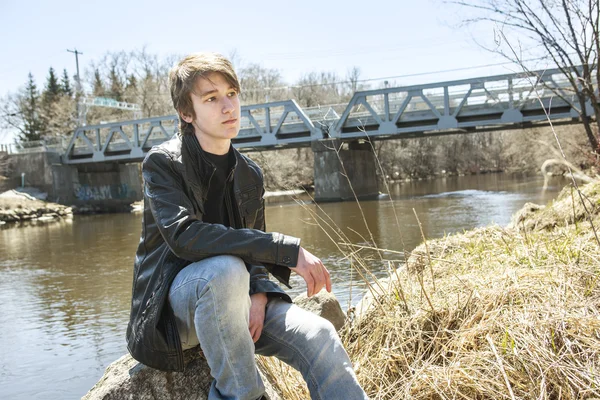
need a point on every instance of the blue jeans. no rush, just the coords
(211, 304)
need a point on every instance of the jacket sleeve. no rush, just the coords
(191, 239)
(259, 274)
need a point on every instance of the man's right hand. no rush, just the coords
(314, 273)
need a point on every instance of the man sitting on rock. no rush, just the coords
(201, 268)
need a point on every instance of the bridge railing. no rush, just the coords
(457, 105)
(119, 140)
(263, 125)
(53, 144)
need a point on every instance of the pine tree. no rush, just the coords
(65, 84)
(98, 84)
(29, 107)
(131, 82)
(116, 86)
(52, 89)
(131, 88)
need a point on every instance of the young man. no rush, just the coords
(201, 268)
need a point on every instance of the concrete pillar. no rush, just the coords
(108, 184)
(65, 179)
(354, 164)
(130, 178)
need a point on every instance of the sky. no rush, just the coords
(410, 42)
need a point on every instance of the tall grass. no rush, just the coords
(514, 313)
(490, 314)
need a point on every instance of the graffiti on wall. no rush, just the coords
(119, 191)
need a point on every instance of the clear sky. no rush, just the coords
(382, 38)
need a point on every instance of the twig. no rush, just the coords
(426, 249)
(501, 366)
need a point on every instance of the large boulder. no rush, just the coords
(128, 379)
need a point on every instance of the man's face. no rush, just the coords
(217, 108)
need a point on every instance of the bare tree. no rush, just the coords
(260, 84)
(317, 88)
(353, 76)
(566, 32)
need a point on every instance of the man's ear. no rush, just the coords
(187, 118)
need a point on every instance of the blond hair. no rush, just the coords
(183, 77)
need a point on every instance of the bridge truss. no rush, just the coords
(503, 101)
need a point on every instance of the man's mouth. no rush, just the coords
(230, 121)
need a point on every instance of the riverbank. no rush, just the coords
(30, 205)
(495, 312)
(16, 206)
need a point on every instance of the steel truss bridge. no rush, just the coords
(470, 105)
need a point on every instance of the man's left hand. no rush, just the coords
(257, 314)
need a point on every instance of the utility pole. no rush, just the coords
(80, 107)
(77, 53)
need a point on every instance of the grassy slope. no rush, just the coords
(489, 314)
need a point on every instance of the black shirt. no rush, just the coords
(215, 210)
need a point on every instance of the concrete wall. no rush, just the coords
(100, 184)
(108, 181)
(5, 181)
(37, 168)
(354, 165)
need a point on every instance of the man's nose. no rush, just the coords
(227, 105)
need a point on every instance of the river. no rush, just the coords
(65, 286)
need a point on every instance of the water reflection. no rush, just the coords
(65, 286)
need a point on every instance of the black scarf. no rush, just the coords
(193, 163)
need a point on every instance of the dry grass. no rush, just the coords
(515, 314)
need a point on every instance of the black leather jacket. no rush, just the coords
(173, 236)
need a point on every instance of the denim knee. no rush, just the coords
(322, 331)
(229, 273)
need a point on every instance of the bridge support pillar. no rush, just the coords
(65, 178)
(343, 170)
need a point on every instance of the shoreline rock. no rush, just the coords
(26, 205)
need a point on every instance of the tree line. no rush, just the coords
(141, 78)
(36, 114)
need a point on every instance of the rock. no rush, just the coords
(47, 217)
(524, 214)
(324, 304)
(128, 379)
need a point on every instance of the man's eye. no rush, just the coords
(210, 99)
(232, 94)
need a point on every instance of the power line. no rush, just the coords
(287, 87)
(398, 76)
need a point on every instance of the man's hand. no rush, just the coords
(314, 273)
(257, 314)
